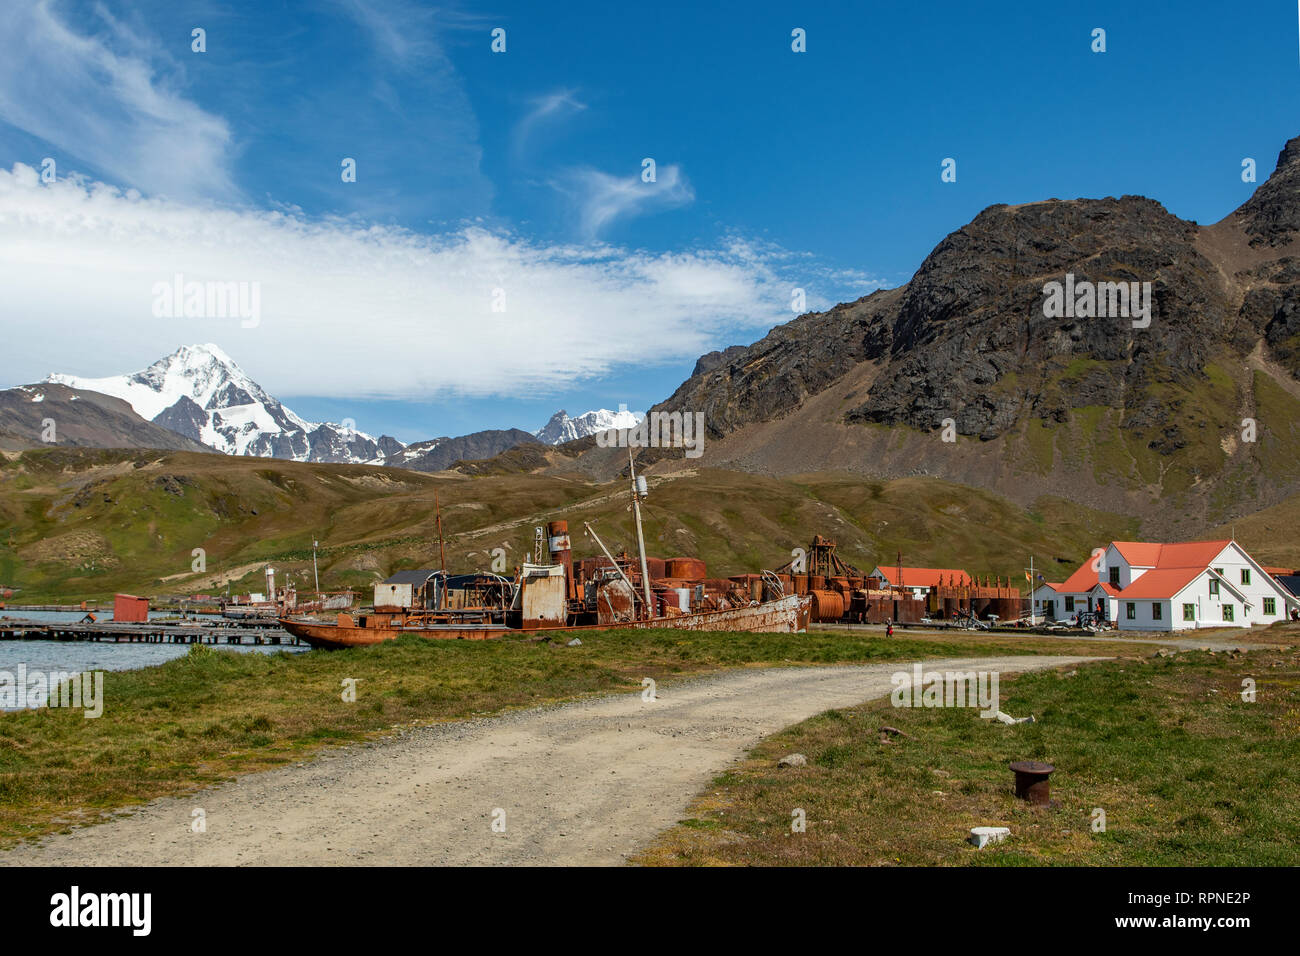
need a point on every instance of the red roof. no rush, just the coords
(1140, 553)
(1084, 579)
(1183, 554)
(926, 577)
(1161, 583)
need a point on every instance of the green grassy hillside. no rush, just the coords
(83, 524)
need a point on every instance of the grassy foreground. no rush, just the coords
(1186, 772)
(212, 714)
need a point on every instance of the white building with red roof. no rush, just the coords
(920, 580)
(1144, 586)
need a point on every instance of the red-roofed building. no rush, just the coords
(920, 580)
(1080, 592)
(1168, 587)
(1049, 598)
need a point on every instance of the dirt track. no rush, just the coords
(583, 783)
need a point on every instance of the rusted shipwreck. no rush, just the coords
(552, 595)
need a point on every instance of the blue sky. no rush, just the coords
(521, 171)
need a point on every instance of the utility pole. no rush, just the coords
(442, 554)
(640, 537)
(1033, 619)
(315, 573)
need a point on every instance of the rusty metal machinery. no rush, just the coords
(821, 562)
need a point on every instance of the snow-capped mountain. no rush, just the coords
(199, 392)
(562, 428)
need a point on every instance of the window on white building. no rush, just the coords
(1214, 588)
(1245, 575)
(1227, 612)
(1189, 612)
(1270, 606)
(1155, 610)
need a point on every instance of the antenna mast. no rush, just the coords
(442, 554)
(640, 537)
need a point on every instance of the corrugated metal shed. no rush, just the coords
(129, 608)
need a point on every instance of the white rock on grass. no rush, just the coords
(983, 836)
(792, 760)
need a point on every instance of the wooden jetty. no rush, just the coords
(153, 632)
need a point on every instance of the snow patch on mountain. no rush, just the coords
(562, 428)
(198, 391)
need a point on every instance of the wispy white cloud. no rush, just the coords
(406, 102)
(602, 199)
(356, 310)
(110, 100)
(551, 106)
(401, 31)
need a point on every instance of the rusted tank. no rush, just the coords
(909, 610)
(614, 602)
(800, 583)
(561, 552)
(857, 609)
(690, 569)
(1007, 609)
(882, 610)
(668, 601)
(827, 606)
(656, 567)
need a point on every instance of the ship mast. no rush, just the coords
(640, 537)
(442, 554)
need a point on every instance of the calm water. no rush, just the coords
(78, 656)
(103, 617)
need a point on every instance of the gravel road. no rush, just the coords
(588, 782)
(1188, 643)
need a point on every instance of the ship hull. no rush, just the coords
(787, 615)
